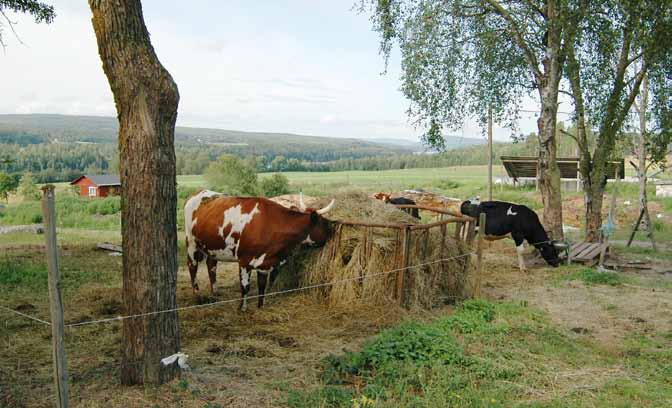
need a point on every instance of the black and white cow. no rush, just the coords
(519, 221)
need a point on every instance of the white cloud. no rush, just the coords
(247, 72)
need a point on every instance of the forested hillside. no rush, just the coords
(61, 148)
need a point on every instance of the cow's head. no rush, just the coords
(550, 253)
(469, 208)
(320, 228)
(384, 197)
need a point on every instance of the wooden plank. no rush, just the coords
(585, 254)
(578, 248)
(109, 247)
(581, 254)
(405, 248)
(596, 250)
(55, 300)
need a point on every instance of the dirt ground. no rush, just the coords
(252, 358)
(607, 314)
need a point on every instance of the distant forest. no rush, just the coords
(61, 148)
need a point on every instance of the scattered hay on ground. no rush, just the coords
(358, 264)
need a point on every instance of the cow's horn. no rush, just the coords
(302, 205)
(559, 244)
(327, 208)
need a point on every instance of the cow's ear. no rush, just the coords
(314, 217)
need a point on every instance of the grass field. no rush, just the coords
(551, 338)
(459, 182)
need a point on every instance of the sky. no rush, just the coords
(295, 66)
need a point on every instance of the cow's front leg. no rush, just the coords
(262, 278)
(212, 274)
(193, 257)
(520, 248)
(244, 286)
(521, 261)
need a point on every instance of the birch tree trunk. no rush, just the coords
(548, 171)
(641, 165)
(146, 98)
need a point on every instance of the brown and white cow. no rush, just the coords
(386, 198)
(255, 232)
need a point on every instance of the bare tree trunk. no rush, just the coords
(548, 171)
(146, 98)
(642, 166)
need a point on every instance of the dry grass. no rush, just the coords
(360, 264)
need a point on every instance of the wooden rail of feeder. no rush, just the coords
(465, 230)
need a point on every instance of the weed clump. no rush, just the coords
(593, 277)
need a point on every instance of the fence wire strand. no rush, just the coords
(221, 302)
(25, 315)
(277, 293)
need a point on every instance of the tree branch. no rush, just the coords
(634, 58)
(518, 38)
(536, 8)
(571, 95)
(564, 132)
(10, 23)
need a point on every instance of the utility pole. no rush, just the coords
(489, 152)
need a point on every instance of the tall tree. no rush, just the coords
(8, 185)
(146, 98)
(460, 56)
(616, 44)
(42, 12)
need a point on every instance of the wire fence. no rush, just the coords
(238, 299)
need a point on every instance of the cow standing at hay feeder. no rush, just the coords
(255, 232)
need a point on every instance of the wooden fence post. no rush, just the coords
(55, 301)
(479, 255)
(405, 248)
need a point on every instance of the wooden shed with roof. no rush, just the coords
(98, 185)
(525, 168)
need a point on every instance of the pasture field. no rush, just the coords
(554, 337)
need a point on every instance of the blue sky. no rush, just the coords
(307, 67)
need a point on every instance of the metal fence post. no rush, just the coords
(55, 301)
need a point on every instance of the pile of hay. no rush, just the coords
(363, 256)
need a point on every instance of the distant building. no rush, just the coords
(98, 185)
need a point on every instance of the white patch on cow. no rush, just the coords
(510, 211)
(284, 261)
(244, 277)
(256, 262)
(235, 218)
(308, 241)
(521, 262)
(264, 271)
(222, 255)
(189, 222)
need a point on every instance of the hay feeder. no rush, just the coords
(390, 258)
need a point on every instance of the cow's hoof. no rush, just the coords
(243, 308)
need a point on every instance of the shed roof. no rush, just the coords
(526, 166)
(101, 179)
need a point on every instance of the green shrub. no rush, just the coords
(231, 175)
(29, 275)
(275, 185)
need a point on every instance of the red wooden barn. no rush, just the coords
(98, 185)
